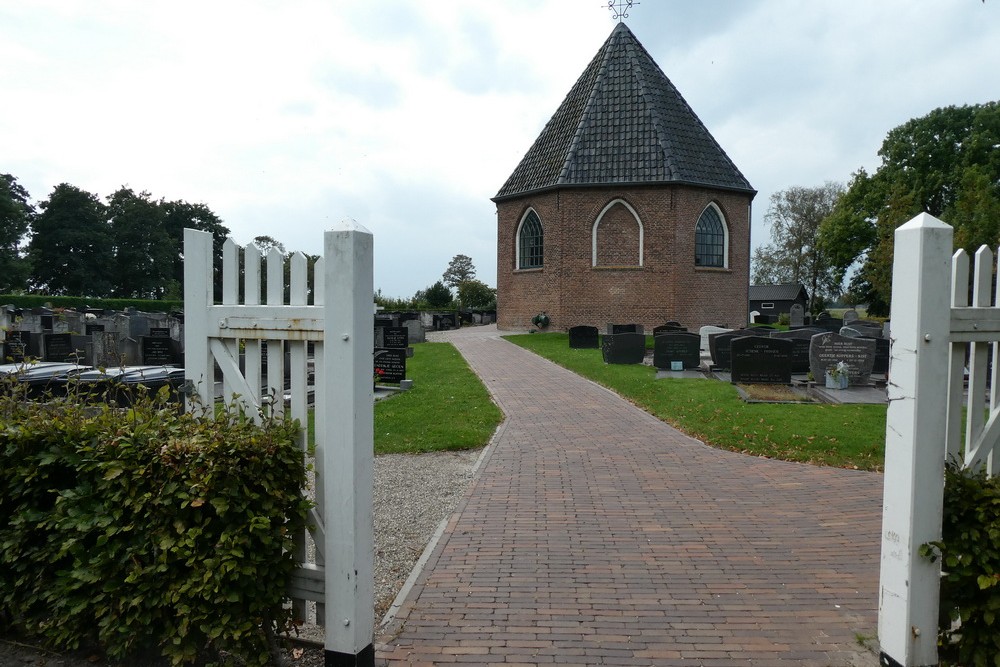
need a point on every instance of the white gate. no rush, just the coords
(935, 333)
(339, 328)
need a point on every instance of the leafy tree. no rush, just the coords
(180, 214)
(16, 213)
(945, 164)
(459, 270)
(477, 294)
(438, 295)
(794, 254)
(144, 251)
(71, 248)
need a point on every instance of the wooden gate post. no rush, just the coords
(348, 458)
(915, 436)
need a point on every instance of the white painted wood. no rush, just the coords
(348, 456)
(197, 301)
(251, 297)
(230, 294)
(915, 431)
(956, 363)
(975, 413)
(275, 349)
(319, 399)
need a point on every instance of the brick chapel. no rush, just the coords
(624, 210)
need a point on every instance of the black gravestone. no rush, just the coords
(623, 328)
(800, 347)
(395, 338)
(58, 347)
(677, 346)
(719, 347)
(390, 365)
(159, 332)
(15, 347)
(668, 328)
(624, 348)
(91, 329)
(829, 349)
(760, 360)
(881, 364)
(584, 338)
(158, 351)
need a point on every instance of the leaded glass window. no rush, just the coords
(530, 243)
(710, 239)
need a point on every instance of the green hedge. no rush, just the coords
(144, 531)
(970, 559)
(81, 302)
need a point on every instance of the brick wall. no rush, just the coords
(667, 286)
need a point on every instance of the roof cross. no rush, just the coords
(619, 8)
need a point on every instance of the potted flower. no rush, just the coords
(837, 376)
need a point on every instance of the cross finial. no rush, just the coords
(619, 8)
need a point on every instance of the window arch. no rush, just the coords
(711, 239)
(530, 241)
(624, 245)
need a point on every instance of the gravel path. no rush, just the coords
(413, 494)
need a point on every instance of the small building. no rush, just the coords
(625, 209)
(777, 299)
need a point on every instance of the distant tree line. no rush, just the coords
(460, 276)
(73, 243)
(829, 238)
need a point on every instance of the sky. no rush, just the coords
(286, 117)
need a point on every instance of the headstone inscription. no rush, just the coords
(797, 315)
(677, 346)
(584, 338)
(158, 351)
(15, 347)
(390, 365)
(801, 339)
(395, 338)
(760, 360)
(623, 348)
(828, 349)
(58, 347)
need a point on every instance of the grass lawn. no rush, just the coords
(847, 436)
(447, 408)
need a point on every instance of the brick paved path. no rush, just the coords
(596, 534)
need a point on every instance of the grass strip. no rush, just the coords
(846, 436)
(448, 407)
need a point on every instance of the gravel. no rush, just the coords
(414, 493)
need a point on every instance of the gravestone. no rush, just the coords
(828, 349)
(830, 324)
(760, 360)
(719, 347)
(674, 323)
(106, 349)
(886, 330)
(415, 331)
(584, 338)
(797, 315)
(850, 315)
(668, 328)
(159, 332)
(706, 333)
(58, 347)
(158, 351)
(91, 329)
(754, 314)
(801, 338)
(390, 365)
(850, 332)
(395, 338)
(623, 348)
(881, 363)
(613, 329)
(867, 329)
(677, 346)
(15, 347)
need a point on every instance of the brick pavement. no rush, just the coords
(594, 534)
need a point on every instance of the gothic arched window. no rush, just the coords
(711, 239)
(530, 242)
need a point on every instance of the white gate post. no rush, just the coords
(198, 298)
(348, 456)
(915, 442)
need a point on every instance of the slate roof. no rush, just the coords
(789, 292)
(623, 122)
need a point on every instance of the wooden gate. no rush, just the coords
(233, 337)
(938, 370)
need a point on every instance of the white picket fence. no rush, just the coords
(936, 335)
(339, 327)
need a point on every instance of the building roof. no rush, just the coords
(623, 122)
(789, 292)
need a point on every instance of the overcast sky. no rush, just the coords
(287, 116)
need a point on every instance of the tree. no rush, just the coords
(477, 294)
(459, 270)
(180, 214)
(794, 254)
(143, 250)
(16, 214)
(945, 164)
(438, 295)
(70, 250)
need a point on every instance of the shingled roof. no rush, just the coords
(623, 122)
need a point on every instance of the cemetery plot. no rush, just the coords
(584, 338)
(58, 347)
(759, 360)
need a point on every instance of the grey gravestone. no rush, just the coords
(850, 315)
(677, 346)
(801, 339)
(158, 351)
(613, 329)
(759, 360)
(623, 348)
(415, 331)
(719, 346)
(706, 332)
(584, 338)
(850, 332)
(128, 352)
(58, 347)
(395, 338)
(797, 315)
(390, 365)
(828, 349)
(106, 349)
